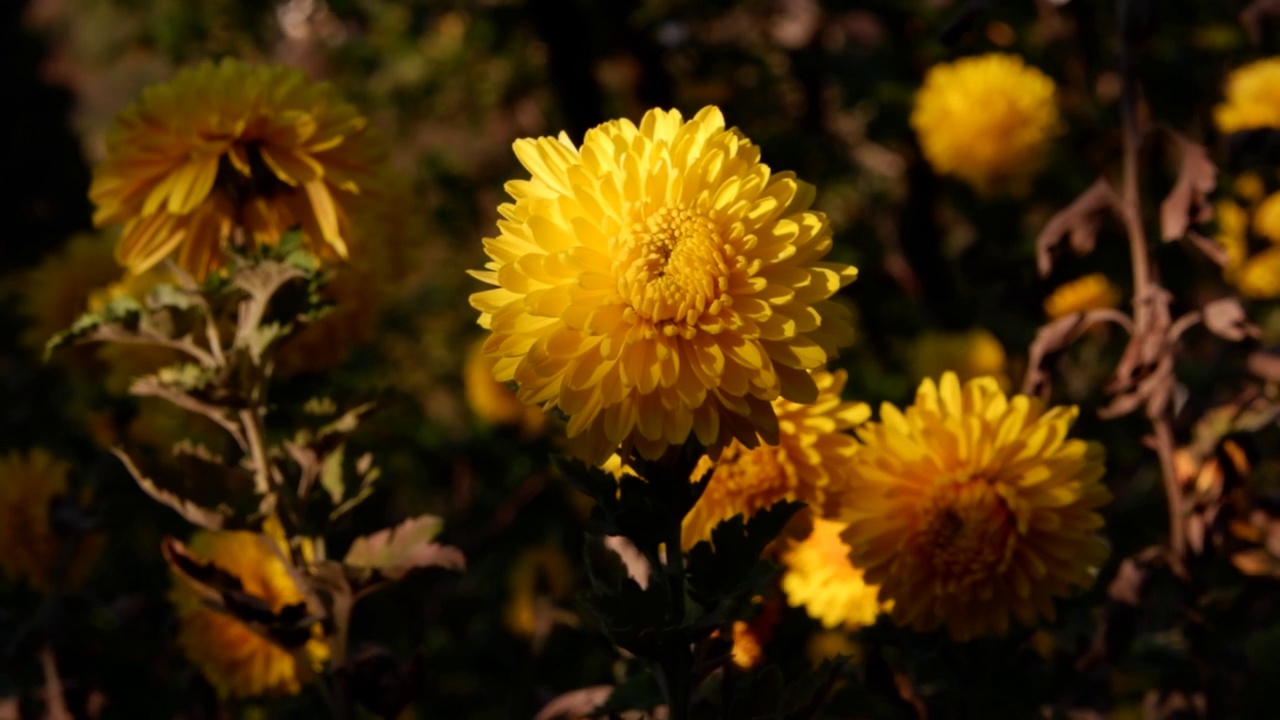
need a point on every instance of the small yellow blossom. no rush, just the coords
(969, 354)
(1256, 275)
(988, 120)
(1091, 292)
(540, 577)
(975, 508)
(1266, 218)
(1252, 98)
(231, 153)
(237, 661)
(31, 549)
(657, 281)
(809, 464)
(820, 578)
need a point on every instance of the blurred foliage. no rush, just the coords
(825, 88)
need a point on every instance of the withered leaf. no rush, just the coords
(1078, 223)
(638, 567)
(1226, 318)
(395, 551)
(1265, 364)
(575, 703)
(1256, 562)
(1254, 17)
(1188, 201)
(203, 517)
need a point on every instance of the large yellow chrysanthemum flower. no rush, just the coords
(969, 353)
(987, 120)
(820, 578)
(810, 463)
(973, 507)
(1091, 292)
(659, 280)
(1252, 98)
(236, 660)
(31, 549)
(231, 153)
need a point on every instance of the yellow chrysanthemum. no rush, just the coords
(1266, 218)
(810, 463)
(1252, 98)
(231, 153)
(494, 402)
(236, 660)
(1255, 275)
(660, 280)
(55, 292)
(31, 550)
(820, 578)
(973, 507)
(1091, 292)
(987, 120)
(969, 354)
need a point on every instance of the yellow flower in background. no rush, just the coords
(660, 280)
(237, 661)
(1259, 276)
(810, 463)
(540, 576)
(228, 148)
(57, 291)
(988, 120)
(31, 549)
(820, 578)
(1266, 218)
(494, 402)
(1255, 275)
(1252, 98)
(1091, 292)
(975, 508)
(969, 354)
(1250, 187)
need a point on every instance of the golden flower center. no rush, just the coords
(673, 268)
(966, 533)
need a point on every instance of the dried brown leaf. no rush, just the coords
(575, 704)
(1226, 318)
(637, 564)
(1188, 202)
(1256, 562)
(1265, 364)
(195, 514)
(396, 551)
(1078, 223)
(1255, 15)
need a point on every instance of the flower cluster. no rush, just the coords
(1249, 233)
(31, 548)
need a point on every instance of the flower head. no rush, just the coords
(987, 120)
(810, 463)
(974, 507)
(1091, 292)
(1255, 271)
(660, 280)
(970, 354)
(227, 147)
(820, 578)
(31, 548)
(235, 659)
(1252, 98)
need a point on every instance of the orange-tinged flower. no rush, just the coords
(820, 578)
(31, 549)
(810, 463)
(235, 659)
(231, 153)
(660, 280)
(1252, 98)
(974, 508)
(1091, 292)
(988, 120)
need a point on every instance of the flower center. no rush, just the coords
(966, 533)
(672, 269)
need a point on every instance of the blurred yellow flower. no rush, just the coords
(660, 280)
(810, 463)
(1252, 98)
(540, 576)
(1091, 292)
(828, 644)
(237, 661)
(988, 120)
(56, 292)
(1250, 187)
(820, 578)
(31, 549)
(974, 508)
(750, 637)
(494, 402)
(969, 354)
(230, 148)
(1266, 218)
(1256, 275)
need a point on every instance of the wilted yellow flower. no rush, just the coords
(974, 507)
(228, 148)
(820, 578)
(236, 660)
(31, 550)
(810, 463)
(969, 354)
(494, 402)
(1091, 292)
(987, 120)
(660, 280)
(1252, 98)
